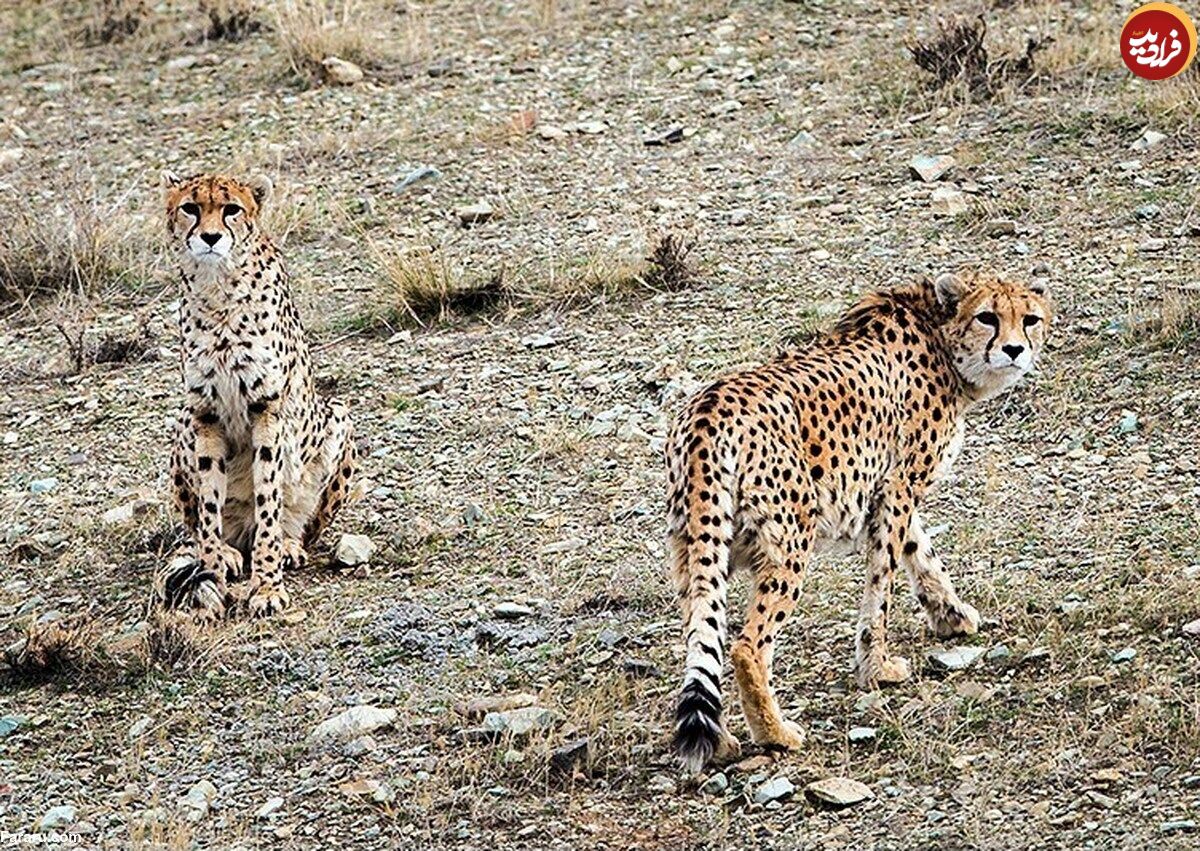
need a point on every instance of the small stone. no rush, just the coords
(474, 214)
(1100, 799)
(1001, 227)
(861, 734)
(1152, 245)
(956, 658)
(355, 721)
(947, 201)
(121, 514)
(1092, 681)
(353, 550)
(520, 722)
(751, 764)
(669, 136)
(1180, 826)
(566, 757)
(139, 727)
(1126, 654)
(1148, 140)
(38, 486)
(661, 784)
(197, 800)
(512, 611)
(268, 809)
(641, 668)
(360, 746)
(715, 785)
(10, 723)
(10, 157)
(55, 817)
(420, 174)
(591, 128)
(483, 705)
(538, 341)
(182, 63)
(778, 788)
(838, 791)
(549, 132)
(803, 141)
(1192, 628)
(340, 72)
(820, 255)
(1147, 211)
(930, 168)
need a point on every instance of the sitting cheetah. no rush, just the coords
(260, 464)
(837, 441)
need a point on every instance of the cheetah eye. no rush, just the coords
(988, 318)
(1031, 320)
(192, 210)
(231, 210)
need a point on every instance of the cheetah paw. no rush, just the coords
(786, 735)
(889, 671)
(268, 600)
(957, 619)
(186, 584)
(293, 556)
(728, 747)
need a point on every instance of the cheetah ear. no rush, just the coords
(169, 179)
(949, 289)
(261, 188)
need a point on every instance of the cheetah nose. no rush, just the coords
(212, 239)
(1012, 350)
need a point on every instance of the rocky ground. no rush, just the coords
(511, 482)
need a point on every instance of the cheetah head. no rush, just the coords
(996, 329)
(212, 216)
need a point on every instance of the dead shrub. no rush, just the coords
(1180, 311)
(116, 20)
(66, 646)
(173, 641)
(956, 53)
(670, 265)
(230, 20)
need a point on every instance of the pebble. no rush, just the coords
(360, 746)
(956, 658)
(353, 550)
(9, 724)
(512, 611)
(778, 788)
(1151, 245)
(838, 791)
(661, 784)
(268, 809)
(1001, 227)
(481, 706)
(930, 168)
(715, 785)
(139, 727)
(947, 201)
(55, 817)
(340, 72)
(861, 734)
(538, 341)
(10, 157)
(565, 757)
(1148, 140)
(1180, 826)
(420, 174)
(519, 722)
(474, 214)
(1192, 628)
(38, 486)
(355, 721)
(1126, 654)
(197, 800)
(550, 132)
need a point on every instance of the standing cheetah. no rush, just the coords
(837, 441)
(260, 464)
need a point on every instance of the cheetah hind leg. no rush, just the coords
(184, 583)
(337, 489)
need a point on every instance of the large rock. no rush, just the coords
(956, 658)
(838, 792)
(353, 550)
(354, 722)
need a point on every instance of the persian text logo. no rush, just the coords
(1158, 41)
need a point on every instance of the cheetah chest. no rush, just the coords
(226, 373)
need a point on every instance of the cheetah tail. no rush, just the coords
(701, 562)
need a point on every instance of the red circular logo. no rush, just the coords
(1158, 41)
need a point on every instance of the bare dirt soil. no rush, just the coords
(513, 456)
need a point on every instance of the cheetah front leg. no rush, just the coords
(198, 478)
(267, 594)
(947, 615)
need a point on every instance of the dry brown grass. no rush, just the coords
(173, 641)
(79, 246)
(310, 31)
(66, 646)
(231, 20)
(113, 21)
(670, 264)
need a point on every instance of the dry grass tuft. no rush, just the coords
(173, 641)
(137, 346)
(424, 286)
(956, 54)
(1180, 311)
(310, 31)
(67, 646)
(115, 20)
(77, 248)
(671, 267)
(231, 20)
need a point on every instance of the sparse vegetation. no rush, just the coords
(670, 262)
(115, 20)
(56, 647)
(956, 53)
(311, 31)
(231, 20)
